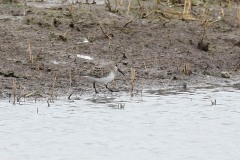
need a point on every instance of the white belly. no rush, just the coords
(103, 80)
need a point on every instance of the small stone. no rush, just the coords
(175, 78)
(225, 75)
(203, 46)
(184, 85)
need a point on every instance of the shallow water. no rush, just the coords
(165, 125)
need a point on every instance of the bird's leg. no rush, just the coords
(111, 89)
(94, 86)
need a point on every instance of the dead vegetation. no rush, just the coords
(133, 78)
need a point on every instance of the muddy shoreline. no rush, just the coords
(39, 47)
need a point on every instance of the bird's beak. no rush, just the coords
(120, 71)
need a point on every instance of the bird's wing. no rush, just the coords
(98, 72)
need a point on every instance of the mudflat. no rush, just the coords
(155, 45)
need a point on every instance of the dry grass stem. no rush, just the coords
(139, 4)
(238, 18)
(48, 102)
(129, 22)
(206, 22)
(108, 35)
(187, 9)
(145, 68)
(133, 78)
(53, 86)
(149, 13)
(187, 70)
(30, 94)
(129, 7)
(229, 3)
(30, 53)
(14, 91)
(105, 33)
(70, 78)
(22, 94)
(108, 5)
(169, 37)
(70, 94)
(72, 11)
(214, 102)
(222, 12)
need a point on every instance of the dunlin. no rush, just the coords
(103, 75)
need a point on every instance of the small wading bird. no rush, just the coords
(103, 75)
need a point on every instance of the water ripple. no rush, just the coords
(158, 125)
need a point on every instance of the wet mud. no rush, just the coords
(166, 47)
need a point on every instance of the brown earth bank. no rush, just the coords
(168, 48)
